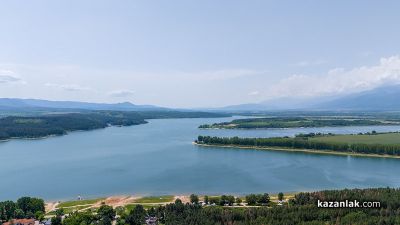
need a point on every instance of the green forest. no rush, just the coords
(291, 122)
(307, 142)
(302, 209)
(25, 207)
(60, 124)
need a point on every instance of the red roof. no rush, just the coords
(21, 222)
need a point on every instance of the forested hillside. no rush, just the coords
(59, 124)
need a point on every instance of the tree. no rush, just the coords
(60, 212)
(30, 205)
(39, 215)
(119, 210)
(280, 196)
(194, 199)
(251, 199)
(106, 214)
(206, 199)
(30, 215)
(9, 208)
(230, 200)
(222, 200)
(19, 214)
(56, 220)
(214, 200)
(24, 203)
(136, 216)
(152, 211)
(238, 201)
(263, 199)
(80, 218)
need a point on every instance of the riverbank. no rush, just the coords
(311, 151)
(129, 201)
(34, 138)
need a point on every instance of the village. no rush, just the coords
(57, 212)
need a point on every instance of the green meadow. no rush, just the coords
(386, 138)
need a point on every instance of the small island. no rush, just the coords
(293, 122)
(363, 144)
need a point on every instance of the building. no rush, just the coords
(20, 222)
(151, 220)
(47, 222)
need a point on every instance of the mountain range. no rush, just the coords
(27, 104)
(386, 98)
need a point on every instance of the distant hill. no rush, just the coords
(382, 98)
(276, 105)
(15, 104)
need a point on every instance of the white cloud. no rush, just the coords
(69, 87)
(121, 93)
(193, 88)
(339, 81)
(8, 79)
(8, 76)
(253, 93)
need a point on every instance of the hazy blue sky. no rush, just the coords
(196, 53)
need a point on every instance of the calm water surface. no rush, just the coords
(159, 158)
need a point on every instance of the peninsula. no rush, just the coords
(367, 144)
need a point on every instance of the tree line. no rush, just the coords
(59, 124)
(25, 207)
(289, 122)
(303, 143)
(302, 209)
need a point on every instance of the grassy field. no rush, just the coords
(387, 138)
(149, 206)
(78, 203)
(146, 202)
(290, 122)
(73, 209)
(155, 199)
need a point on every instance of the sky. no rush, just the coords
(186, 53)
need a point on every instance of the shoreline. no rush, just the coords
(65, 134)
(310, 151)
(129, 200)
(32, 138)
(284, 128)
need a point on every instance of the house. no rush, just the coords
(281, 202)
(151, 220)
(20, 222)
(47, 222)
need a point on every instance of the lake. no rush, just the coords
(159, 158)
